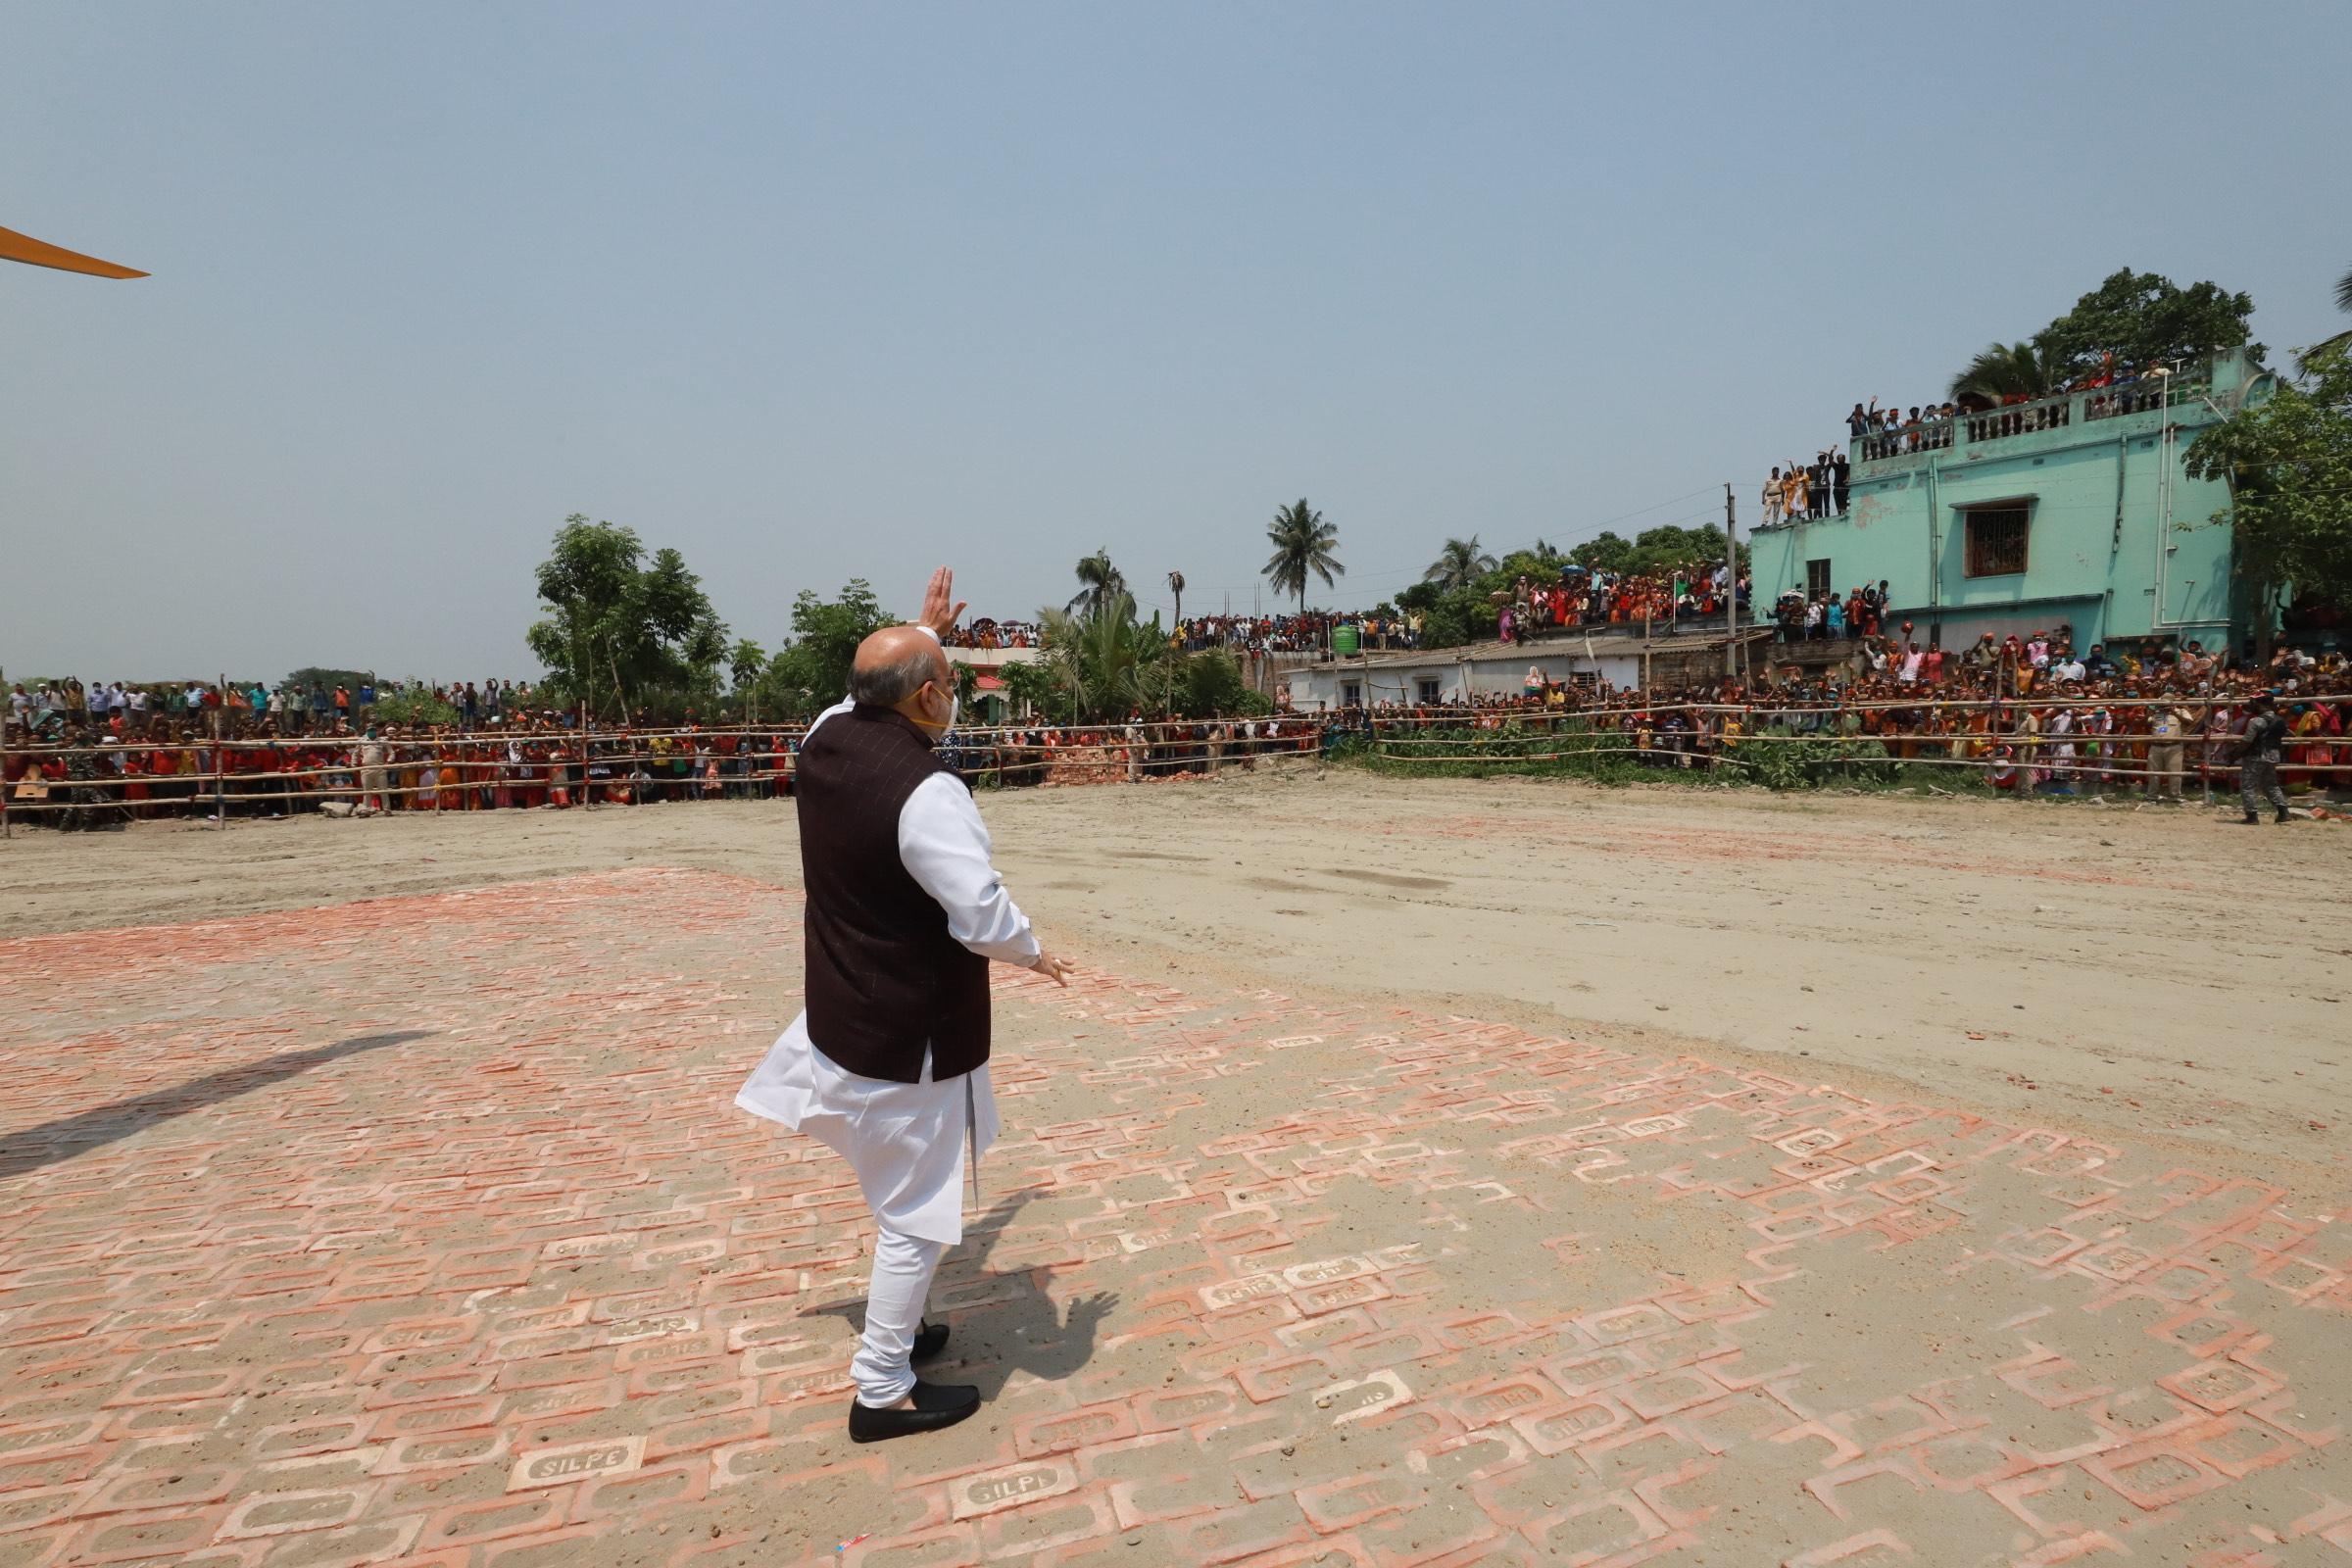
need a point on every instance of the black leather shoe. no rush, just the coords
(936, 1405)
(932, 1340)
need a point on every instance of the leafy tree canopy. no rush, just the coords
(1653, 551)
(812, 672)
(2289, 463)
(621, 627)
(326, 679)
(2142, 319)
(1036, 688)
(1210, 684)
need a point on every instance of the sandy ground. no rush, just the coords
(2156, 972)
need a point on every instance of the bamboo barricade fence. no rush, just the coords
(588, 771)
(2098, 754)
(568, 759)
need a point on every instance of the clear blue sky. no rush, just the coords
(822, 292)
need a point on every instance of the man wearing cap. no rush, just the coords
(887, 1063)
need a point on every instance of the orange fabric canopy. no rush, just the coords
(16, 247)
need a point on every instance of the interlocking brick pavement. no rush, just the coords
(423, 1232)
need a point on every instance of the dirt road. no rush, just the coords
(2159, 972)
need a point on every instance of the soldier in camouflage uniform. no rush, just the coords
(82, 791)
(2259, 753)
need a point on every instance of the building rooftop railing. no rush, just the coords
(2193, 383)
(1928, 435)
(2146, 396)
(2020, 418)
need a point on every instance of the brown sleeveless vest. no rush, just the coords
(885, 980)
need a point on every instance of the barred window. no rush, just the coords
(1996, 540)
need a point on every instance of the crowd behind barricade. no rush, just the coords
(1577, 596)
(289, 707)
(1584, 597)
(990, 633)
(90, 776)
(2030, 712)
(2137, 724)
(1288, 634)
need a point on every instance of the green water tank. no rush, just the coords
(1342, 641)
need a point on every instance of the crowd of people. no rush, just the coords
(1815, 490)
(86, 778)
(2124, 738)
(1582, 597)
(2031, 709)
(289, 707)
(2134, 721)
(1311, 632)
(990, 633)
(2014, 665)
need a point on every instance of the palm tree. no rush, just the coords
(2344, 302)
(1459, 564)
(2015, 369)
(1303, 543)
(1101, 582)
(1105, 660)
(1176, 586)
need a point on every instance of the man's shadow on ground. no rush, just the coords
(1022, 1332)
(47, 1143)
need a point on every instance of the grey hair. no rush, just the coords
(888, 685)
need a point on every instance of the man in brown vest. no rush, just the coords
(888, 1063)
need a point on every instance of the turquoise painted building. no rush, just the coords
(2037, 516)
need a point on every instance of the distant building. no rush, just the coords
(1593, 659)
(2060, 513)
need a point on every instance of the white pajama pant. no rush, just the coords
(893, 1314)
(907, 1143)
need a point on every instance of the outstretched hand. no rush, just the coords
(1054, 969)
(941, 608)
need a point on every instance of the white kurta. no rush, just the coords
(907, 1141)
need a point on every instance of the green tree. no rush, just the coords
(2344, 302)
(1099, 582)
(747, 669)
(1109, 662)
(747, 662)
(811, 672)
(620, 629)
(2288, 463)
(327, 679)
(2141, 319)
(1449, 616)
(1033, 687)
(413, 703)
(1459, 564)
(1302, 544)
(1210, 684)
(2011, 369)
(1653, 550)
